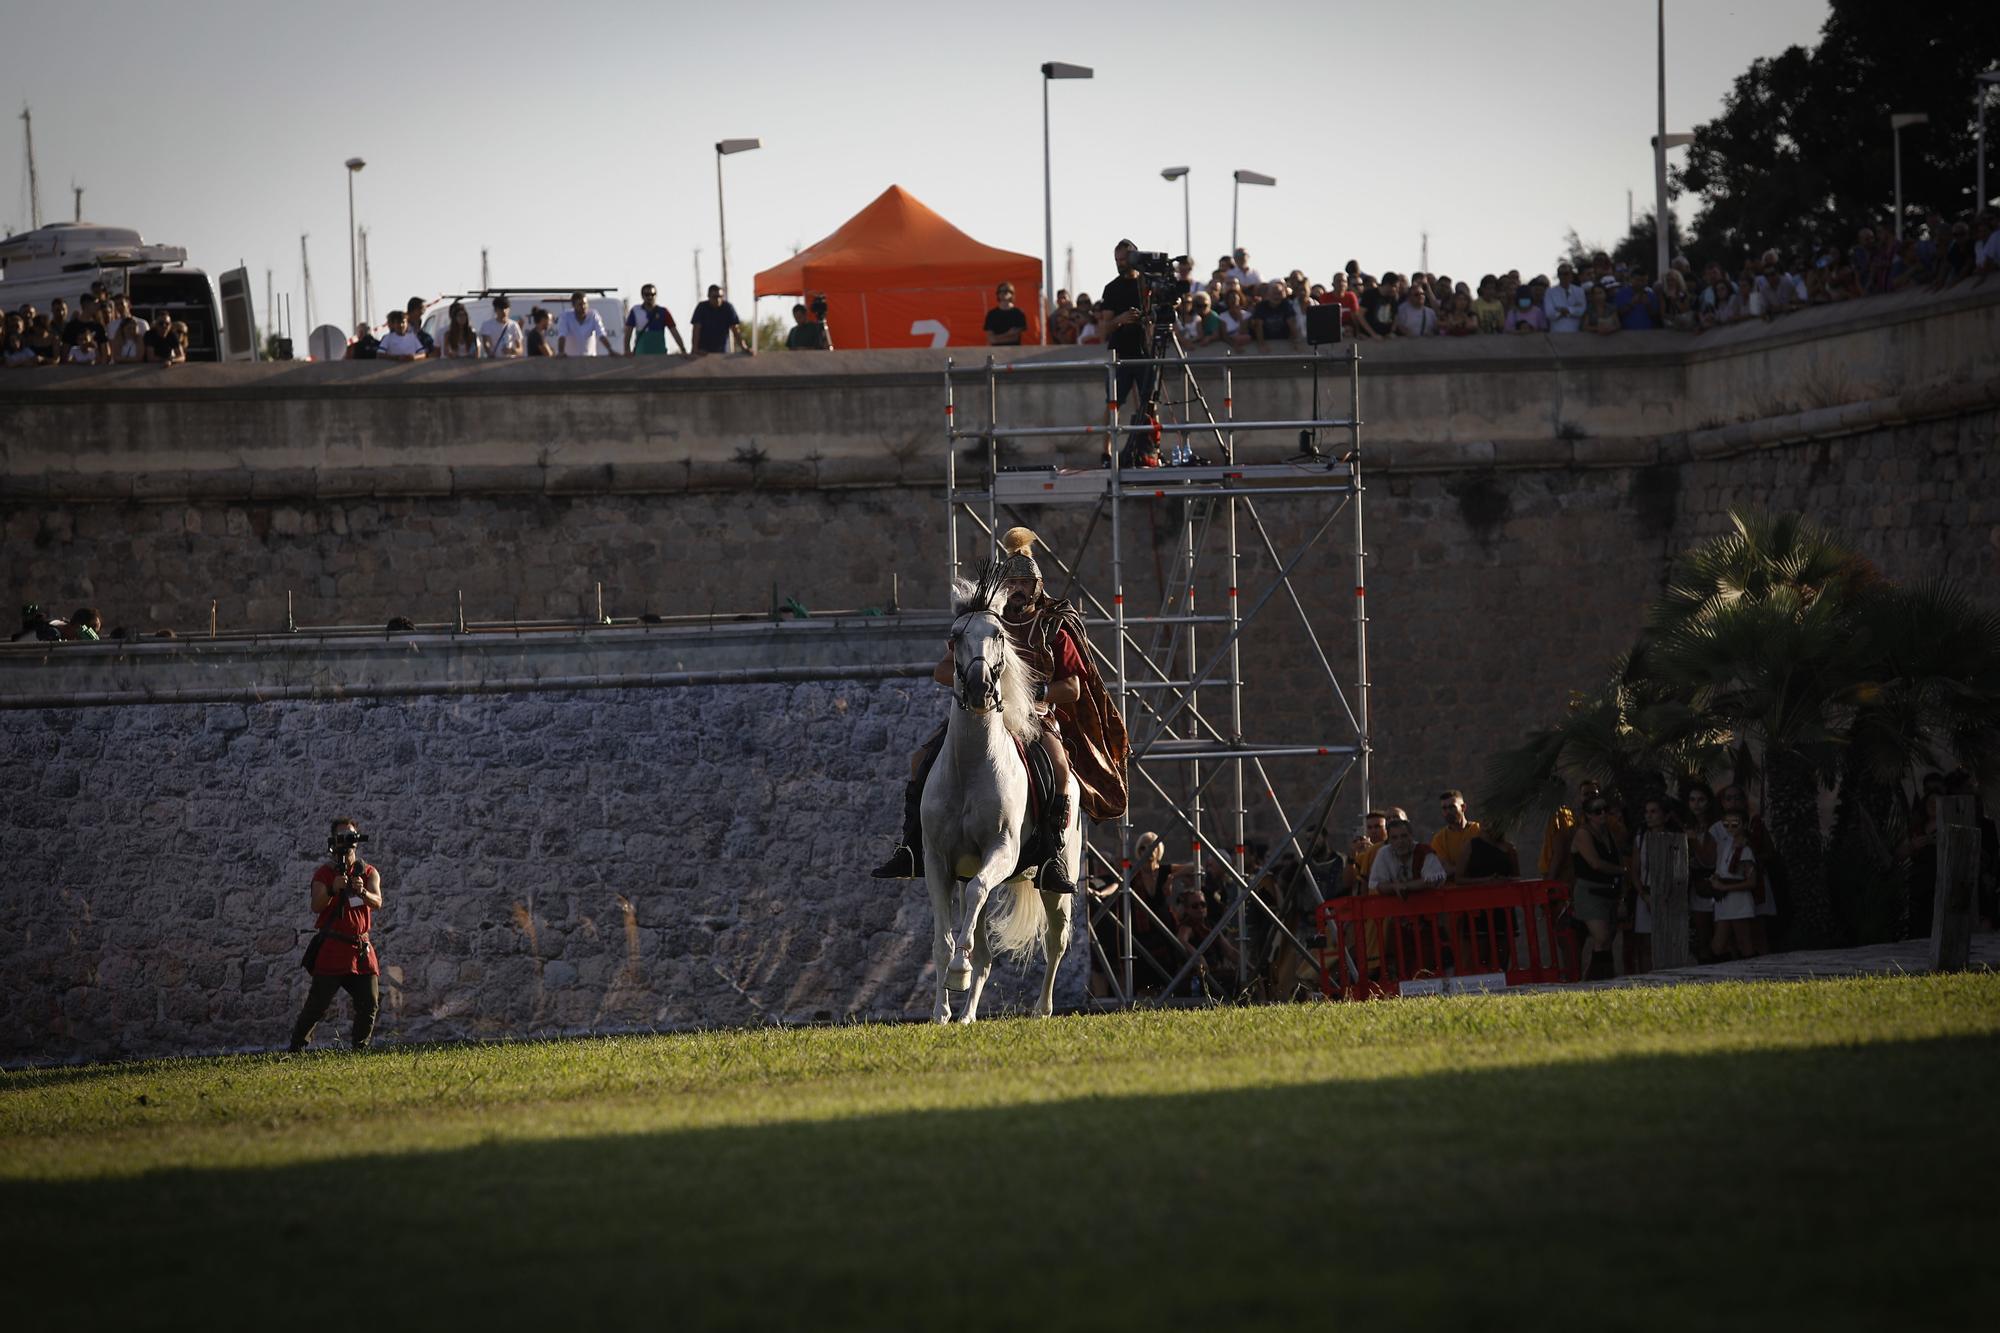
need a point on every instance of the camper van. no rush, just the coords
(65, 258)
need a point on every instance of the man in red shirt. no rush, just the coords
(345, 893)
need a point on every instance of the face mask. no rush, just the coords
(1524, 303)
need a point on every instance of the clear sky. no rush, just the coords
(575, 141)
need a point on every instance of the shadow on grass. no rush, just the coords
(1836, 1187)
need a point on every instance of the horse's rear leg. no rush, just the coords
(1055, 939)
(1057, 907)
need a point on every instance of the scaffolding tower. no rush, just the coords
(1179, 691)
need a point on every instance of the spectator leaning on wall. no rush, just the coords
(1005, 322)
(716, 323)
(581, 331)
(647, 325)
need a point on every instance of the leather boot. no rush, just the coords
(907, 861)
(1054, 876)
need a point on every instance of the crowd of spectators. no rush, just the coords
(579, 330)
(1236, 306)
(1736, 894)
(103, 330)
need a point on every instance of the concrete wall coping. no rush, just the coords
(261, 668)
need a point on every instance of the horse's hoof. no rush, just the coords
(958, 977)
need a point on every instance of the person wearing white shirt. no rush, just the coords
(581, 331)
(500, 336)
(1243, 273)
(399, 344)
(1735, 888)
(1986, 259)
(1566, 302)
(1403, 863)
(1414, 317)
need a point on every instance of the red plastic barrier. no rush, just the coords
(1456, 937)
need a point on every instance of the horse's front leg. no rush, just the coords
(938, 879)
(998, 864)
(982, 968)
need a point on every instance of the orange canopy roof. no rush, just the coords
(896, 242)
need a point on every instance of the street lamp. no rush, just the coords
(1243, 178)
(1187, 223)
(1981, 83)
(1896, 124)
(1661, 246)
(354, 165)
(722, 150)
(1051, 71)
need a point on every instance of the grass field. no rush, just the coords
(1732, 1156)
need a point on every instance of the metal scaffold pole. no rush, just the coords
(950, 488)
(1360, 572)
(1238, 831)
(1118, 655)
(1159, 684)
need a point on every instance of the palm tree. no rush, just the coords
(1759, 554)
(1777, 641)
(1785, 674)
(1938, 701)
(1629, 737)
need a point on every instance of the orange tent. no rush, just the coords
(898, 275)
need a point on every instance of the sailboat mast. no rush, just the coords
(305, 271)
(34, 180)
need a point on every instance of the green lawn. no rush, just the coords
(1735, 1156)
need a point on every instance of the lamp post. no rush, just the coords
(1187, 219)
(1051, 71)
(1243, 178)
(354, 165)
(1896, 124)
(1988, 79)
(1661, 225)
(724, 149)
(1661, 242)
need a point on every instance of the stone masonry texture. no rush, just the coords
(536, 846)
(597, 861)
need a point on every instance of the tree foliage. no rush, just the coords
(1801, 154)
(1776, 643)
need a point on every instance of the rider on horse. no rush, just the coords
(1081, 731)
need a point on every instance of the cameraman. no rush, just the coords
(1127, 334)
(808, 334)
(345, 893)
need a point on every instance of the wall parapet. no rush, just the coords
(364, 430)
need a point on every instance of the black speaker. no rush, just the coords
(1322, 324)
(282, 347)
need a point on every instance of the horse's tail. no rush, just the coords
(1019, 921)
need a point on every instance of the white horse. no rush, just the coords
(975, 808)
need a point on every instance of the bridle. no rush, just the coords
(988, 699)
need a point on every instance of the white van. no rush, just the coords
(65, 258)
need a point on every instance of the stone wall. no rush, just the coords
(592, 861)
(1493, 593)
(1523, 504)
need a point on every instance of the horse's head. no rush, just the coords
(987, 674)
(979, 661)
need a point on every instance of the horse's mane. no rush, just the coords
(1017, 682)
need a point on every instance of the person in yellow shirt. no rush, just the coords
(1453, 840)
(1361, 853)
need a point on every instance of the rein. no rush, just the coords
(989, 700)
